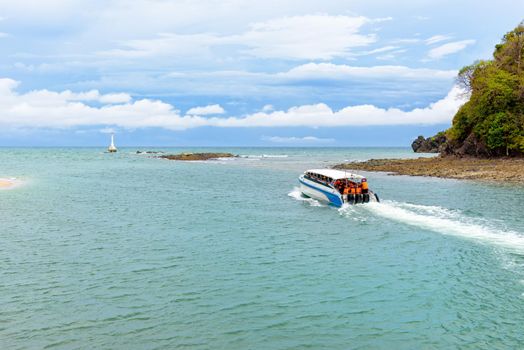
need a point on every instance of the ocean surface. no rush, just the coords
(126, 251)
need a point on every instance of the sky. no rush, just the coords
(238, 73)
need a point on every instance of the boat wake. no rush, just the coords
(448, 222)
(296, 194)
(433, 218)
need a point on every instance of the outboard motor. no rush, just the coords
(358, 198)
(365, 197)
(351, 198)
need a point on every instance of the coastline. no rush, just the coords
(492, 170)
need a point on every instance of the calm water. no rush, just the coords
(124, 251)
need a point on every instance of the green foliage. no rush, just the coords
(462, 124)
(495, 111)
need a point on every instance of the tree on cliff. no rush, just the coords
(492, 122)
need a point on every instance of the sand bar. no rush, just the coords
(8, 183)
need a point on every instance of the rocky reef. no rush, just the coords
(197, 156)
(499, 170)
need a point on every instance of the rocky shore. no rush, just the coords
(197, 156)
(499, 169)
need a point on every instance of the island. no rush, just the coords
(197, 156)
(486, 138)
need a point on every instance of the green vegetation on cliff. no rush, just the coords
(491, 123)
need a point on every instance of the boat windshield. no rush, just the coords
(324, 180)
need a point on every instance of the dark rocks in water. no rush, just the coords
(499, 170)
(430, 145)
(197, 156)
(148, 152)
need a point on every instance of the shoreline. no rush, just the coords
(510, 170)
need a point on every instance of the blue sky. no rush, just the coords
(238, 73)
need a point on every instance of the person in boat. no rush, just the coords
(339, 186)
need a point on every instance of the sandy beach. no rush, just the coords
(496, 170)
(8, 183)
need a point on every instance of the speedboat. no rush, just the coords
(336, 187)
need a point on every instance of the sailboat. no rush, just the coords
(112, 147)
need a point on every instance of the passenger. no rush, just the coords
(364, 186)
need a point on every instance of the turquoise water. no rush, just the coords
(124, 251)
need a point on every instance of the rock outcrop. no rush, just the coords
(432, 144)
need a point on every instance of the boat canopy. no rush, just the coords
(336, 174)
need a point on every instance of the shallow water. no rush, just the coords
(132, 252)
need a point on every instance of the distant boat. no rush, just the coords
(112, 147)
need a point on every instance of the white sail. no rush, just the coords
(112, 147)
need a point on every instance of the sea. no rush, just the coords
(129, 251)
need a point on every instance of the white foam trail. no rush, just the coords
(351, 211)
(445, 221)
(296, 194)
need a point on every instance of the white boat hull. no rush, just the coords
(320, 192)
(325, 193)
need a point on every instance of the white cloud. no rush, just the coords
(406, 41)
(297, 140)
(298, 37)
(449, 48)
(380, 50)
(114, 98)
(390, 55)
(321, 115)
(268, 108)
(436, 39)
(47, 109)
(340, 71)
(3, 35)
(306, 37)
(206, 110)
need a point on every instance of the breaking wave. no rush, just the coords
(260, 156)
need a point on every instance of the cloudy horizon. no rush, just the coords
(237, 73)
